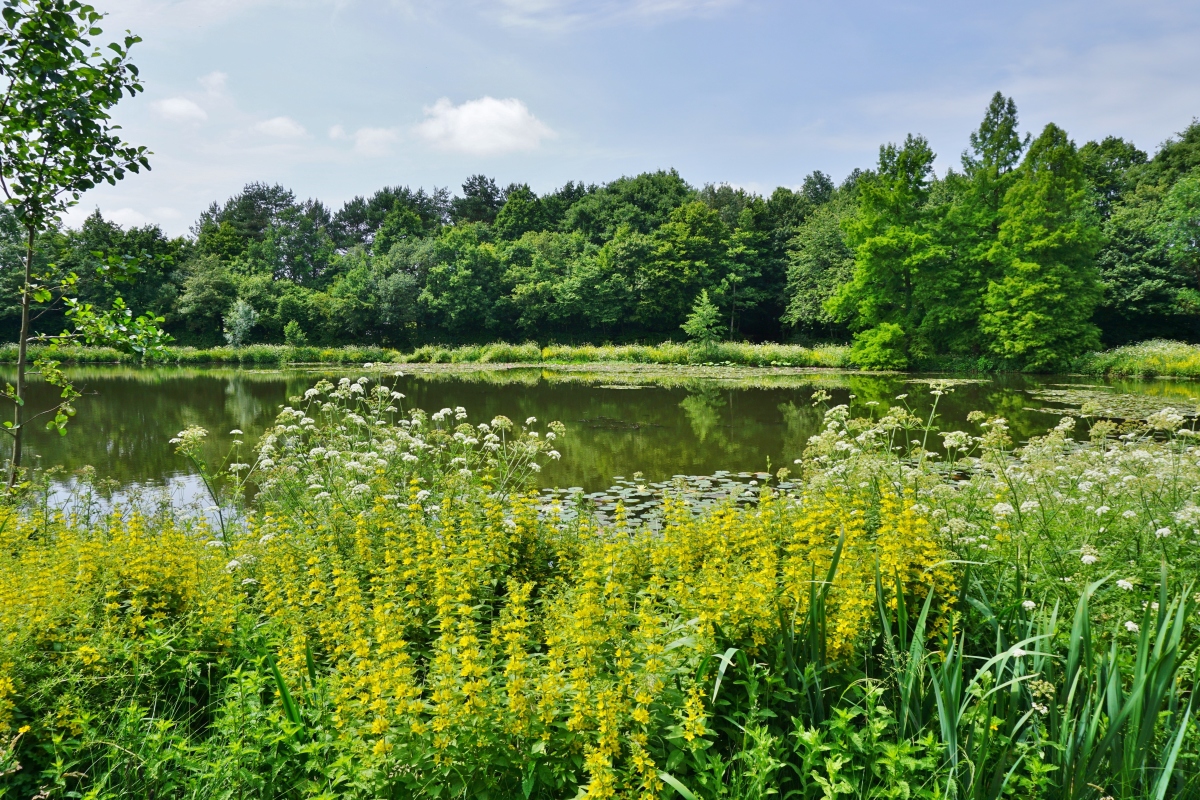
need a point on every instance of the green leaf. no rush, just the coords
(675, 784)
(725, 659)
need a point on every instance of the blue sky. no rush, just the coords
(335, 98)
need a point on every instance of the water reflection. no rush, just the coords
(622, 419)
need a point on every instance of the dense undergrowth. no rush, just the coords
(399, 615)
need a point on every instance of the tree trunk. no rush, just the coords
(14, 465)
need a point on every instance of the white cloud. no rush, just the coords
(180, 109)
(214, 82)
(368, 141)
(127, 217)
(486, 126)
(374, 141)
(281, 128)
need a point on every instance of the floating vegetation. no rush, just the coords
(948, 381)
(1104, 402)
(642, 502)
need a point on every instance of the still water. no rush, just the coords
(659, 421)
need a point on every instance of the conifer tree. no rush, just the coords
(1038, 309)
(972, 224)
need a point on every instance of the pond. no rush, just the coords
(621, 419)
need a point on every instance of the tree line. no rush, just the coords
(1029, 252)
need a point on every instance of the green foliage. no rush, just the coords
(1108, 166)
(1145, 289)
(521, 213)
(621, 262)
(1039, 307)
(480, 202)
(294, 335)
(1179, 226)
(56, 138)
(403, 618)
(238, 322)
(687, 251)
(703, 325)
(57, 141)
(820, 262)
(884, 346)
(899, 257)
(640, 203)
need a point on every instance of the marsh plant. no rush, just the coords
(398, 613)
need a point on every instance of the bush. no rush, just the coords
(883, 347)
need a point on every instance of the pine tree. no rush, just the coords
(704, 324)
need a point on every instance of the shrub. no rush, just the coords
(881, 347)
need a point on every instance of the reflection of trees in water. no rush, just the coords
(243, 406)
(124, 426)
(800, 421)
(127, 417)
(703, 409)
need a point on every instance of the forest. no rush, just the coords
(1031, 251)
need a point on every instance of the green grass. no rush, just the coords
(1153, 359)
(734, 353)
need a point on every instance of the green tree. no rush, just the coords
(703, 325)
(294, 335)
(1177, 156)
(208, 289)
(641, 203)
(401, 223)
(549, 294)
(1179, 225)
(1039, 309)
(238, 322)
(359, 219)
(819, 264)
(971, 227)
(522, 212)
(898, 254)
(690, 249)
(463, 284)
(480, 202)
(610, 282)
(1108, 166)
(56, 142)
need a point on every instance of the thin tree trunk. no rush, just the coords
(22, 345)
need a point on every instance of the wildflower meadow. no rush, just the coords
(396, 612)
